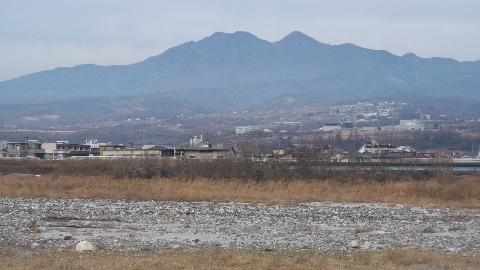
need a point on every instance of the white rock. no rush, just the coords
(84, 246)
(353, 244)
(452, 249)
(367, 245)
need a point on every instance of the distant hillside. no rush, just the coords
(240, 71)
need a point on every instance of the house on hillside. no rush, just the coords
(336, 126)
(246, 129)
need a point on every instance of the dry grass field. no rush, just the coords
(441, 192)
(444, 190)
(220, 259)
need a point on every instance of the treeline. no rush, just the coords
(150, 168)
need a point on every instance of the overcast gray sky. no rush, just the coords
(38, 35)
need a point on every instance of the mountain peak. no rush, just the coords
(223, 34)
(237, 39)
(239, 35)
(410, 56)
(296, 35)
(296, 38)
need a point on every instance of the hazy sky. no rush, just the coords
(38, 35)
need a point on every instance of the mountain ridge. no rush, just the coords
(240, 66)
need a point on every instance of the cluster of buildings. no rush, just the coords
(91, 149)
(405, 125)
(375, 150)
(336, 126)
(201, 151)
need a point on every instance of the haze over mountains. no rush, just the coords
(240, 71)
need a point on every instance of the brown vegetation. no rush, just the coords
(221, 259)
(242, 181)
(148, 168)
(441, 191)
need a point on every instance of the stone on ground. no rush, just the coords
(84, 246)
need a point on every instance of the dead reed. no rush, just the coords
(441, 192)
(222, 259)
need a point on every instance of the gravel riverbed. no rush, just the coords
(59, 224)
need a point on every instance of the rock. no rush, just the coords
(367, 245)
(353, 244)
(452, 249)
(459, 227)
(84, 246)
(145, 248)
(428, 229)
(363, 229)
(308, 226)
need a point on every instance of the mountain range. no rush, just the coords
(240, 71)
